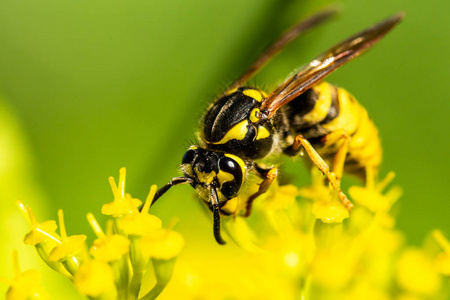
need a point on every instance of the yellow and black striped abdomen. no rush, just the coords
(325, 109)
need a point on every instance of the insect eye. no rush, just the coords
(229, 165)
(188, 157)
(230, 177)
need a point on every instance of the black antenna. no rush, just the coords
(173, 182)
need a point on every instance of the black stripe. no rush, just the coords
(334, 109)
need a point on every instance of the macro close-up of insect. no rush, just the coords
(245, 128)
(322, 185)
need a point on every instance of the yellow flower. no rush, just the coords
(141, 223)
(162, 244)
(109, 247)
(40, 232)
(416, 274)
(371, 195)
(333, 269)
(116, 263)
(326, 204)
(69, 246)
(280, 197)
(94, 278)
(291, 248)
(442, 261)
(123, 204)
(330, 211)
(25, 285)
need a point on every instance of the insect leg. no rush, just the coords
(339, 159)
(323, 167)
(268, 176)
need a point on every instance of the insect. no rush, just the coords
(245, 125)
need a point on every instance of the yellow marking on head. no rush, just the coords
(231, 91)
(193, 147)
(262, 133)
(224, 177)
(239, 161)
(238, 132)
(253, 113)
(255, 94)
(205, 194)
(205, 177)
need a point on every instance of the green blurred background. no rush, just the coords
(88, 87)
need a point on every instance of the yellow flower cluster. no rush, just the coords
(134, 245)
(306, 237)
(299, 243)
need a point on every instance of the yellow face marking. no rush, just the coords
(255, 94)
(253, 113)
(224, 177)
(238, 132)
(205, 177)
(262, 133)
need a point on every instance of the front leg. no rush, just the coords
(269, 176)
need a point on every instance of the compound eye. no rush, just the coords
(188, 157)
(230, 177)
(229, 165)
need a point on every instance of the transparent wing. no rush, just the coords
(326, 63)
(290, 35)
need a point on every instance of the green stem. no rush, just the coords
(43, 250)
(163, 272)
(71, 264)
(306, 288)
(138, 263)
(120, 268)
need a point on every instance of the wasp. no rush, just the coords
(245, 126)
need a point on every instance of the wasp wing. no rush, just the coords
(326, 63)
(290, 35)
